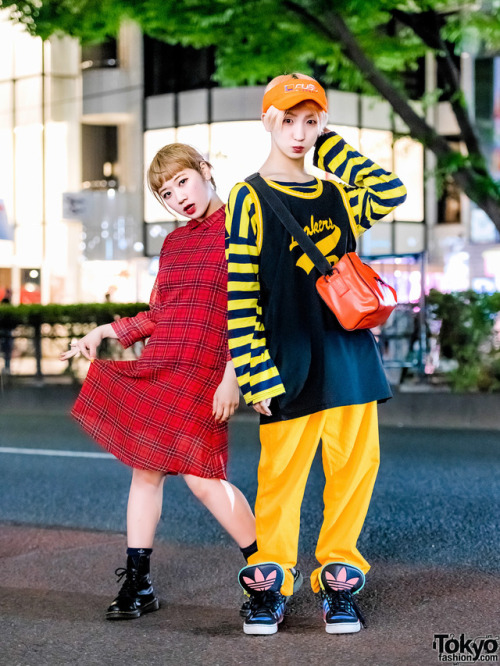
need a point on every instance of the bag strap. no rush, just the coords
(289, 222)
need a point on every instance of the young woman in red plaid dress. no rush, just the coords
(167, 412)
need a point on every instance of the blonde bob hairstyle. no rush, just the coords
(273, 118)
(171, 159)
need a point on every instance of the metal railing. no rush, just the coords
(26, 349)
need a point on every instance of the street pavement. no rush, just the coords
(431, 535)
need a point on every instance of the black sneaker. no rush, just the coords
(298, 579)
(339, 583)
(262, 582)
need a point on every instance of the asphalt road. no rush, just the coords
(431, 534)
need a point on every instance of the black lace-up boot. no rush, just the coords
(136, 596)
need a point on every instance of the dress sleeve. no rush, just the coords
(257, 375)
(132, 329)
(372, 191)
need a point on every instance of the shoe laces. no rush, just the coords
(344, 602)
(267, 599)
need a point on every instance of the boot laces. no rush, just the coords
(130, 583)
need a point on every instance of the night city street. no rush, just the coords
(285, 210)
(431, 535)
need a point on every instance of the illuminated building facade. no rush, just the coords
(78, 127)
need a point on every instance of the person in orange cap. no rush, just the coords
(307, 377)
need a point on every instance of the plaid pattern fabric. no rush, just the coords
(156, 412)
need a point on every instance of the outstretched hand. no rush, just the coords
(88, 344)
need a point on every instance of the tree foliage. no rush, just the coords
(368, 46)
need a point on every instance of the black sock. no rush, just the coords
(135, 553)
(249, 550)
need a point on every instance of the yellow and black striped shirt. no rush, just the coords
(368, 192)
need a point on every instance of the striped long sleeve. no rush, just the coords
(257, 375)
(373, 192)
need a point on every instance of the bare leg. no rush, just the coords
(227, 504)
(145, 502)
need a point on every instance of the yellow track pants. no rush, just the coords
(350, 462)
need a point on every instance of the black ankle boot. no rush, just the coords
(137, 595)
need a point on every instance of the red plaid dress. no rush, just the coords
(156, 413)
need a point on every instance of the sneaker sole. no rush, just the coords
(133, 615)
(343, 628)
(260, 629)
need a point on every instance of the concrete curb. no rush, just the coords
(442, 410)
(427, 407)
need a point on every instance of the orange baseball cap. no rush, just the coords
(292, 91)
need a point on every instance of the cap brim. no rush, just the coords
(293, 99)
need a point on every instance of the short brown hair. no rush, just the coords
(171, 159)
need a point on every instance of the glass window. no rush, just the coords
(375, 113)
(449, 204)
(30, 285)
(28, 175)
(350, 134)
(409, 166)
(109, 224)
(409, 238)
(197, 136)
(403, 273)
(377, 145)
(99, 148)
(153, 141)
(376, 241)
(483, 69)
(344, 107)
(482, 229)
(237, 150)
(172, 67)
(156, 233)
(57, 169)
(29, 244)
(97, 56)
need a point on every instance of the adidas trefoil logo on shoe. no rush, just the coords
(261, 582)
(340, 583)
(266, 607)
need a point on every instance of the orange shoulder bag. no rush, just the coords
(352, 290)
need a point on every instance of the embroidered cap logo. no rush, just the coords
(286, 94)
(301, 87)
